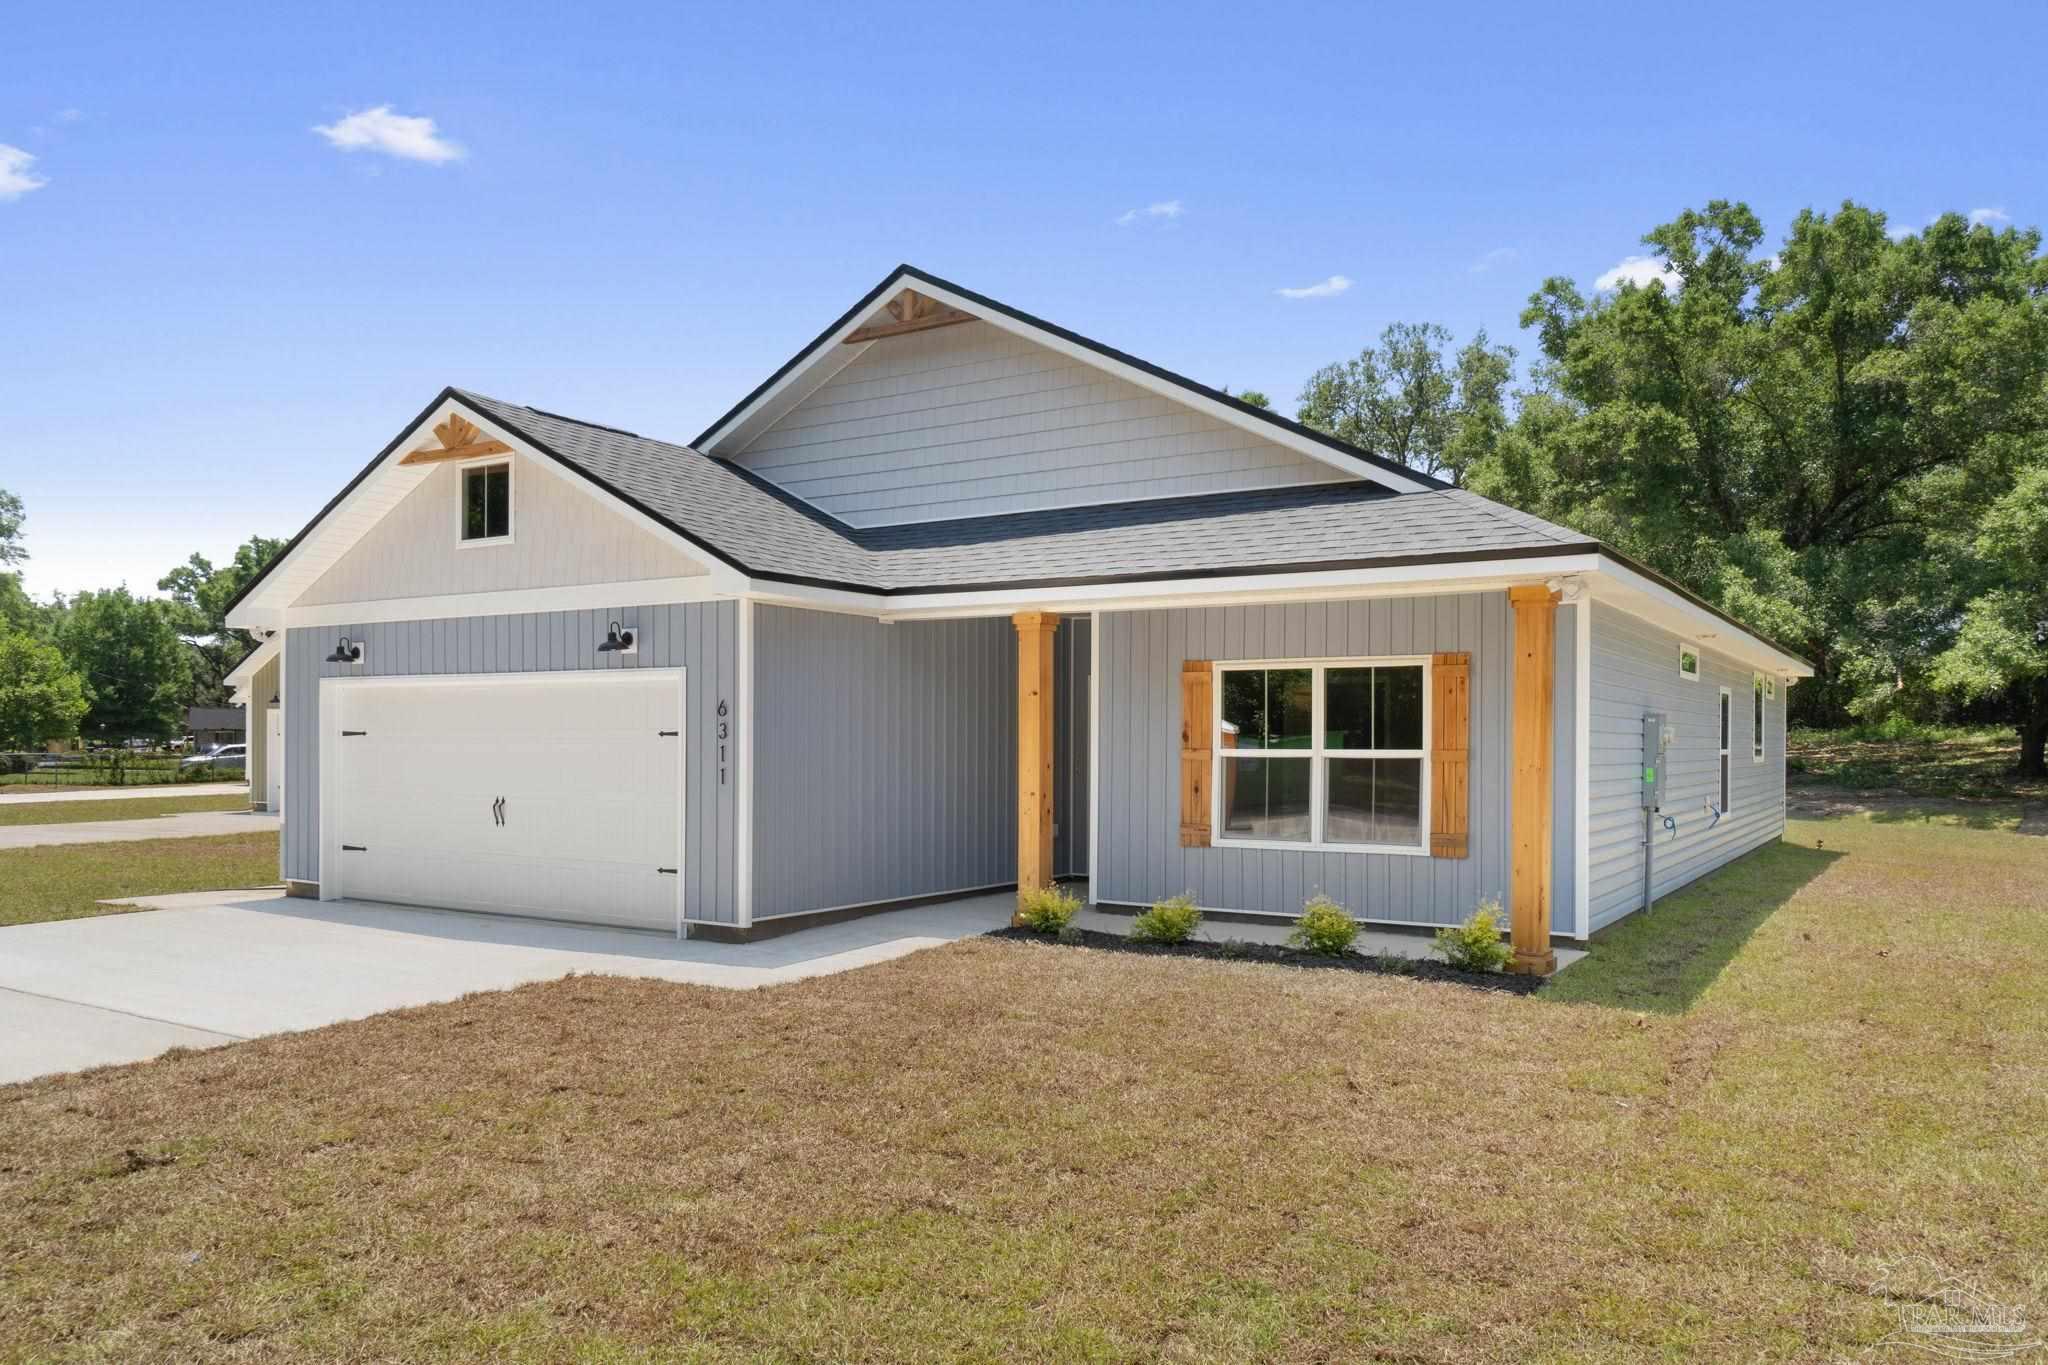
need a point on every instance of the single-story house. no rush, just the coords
(957, 599)
(212, 726)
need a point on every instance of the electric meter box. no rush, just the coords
(1656, 745)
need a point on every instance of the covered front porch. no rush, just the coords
(1176, 800)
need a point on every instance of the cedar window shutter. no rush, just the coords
(1450, 755)
(1197, 726)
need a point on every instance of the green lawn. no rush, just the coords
(1005, 1151)
(132, 808)
(66, 881)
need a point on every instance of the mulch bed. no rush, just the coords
(1279, 955)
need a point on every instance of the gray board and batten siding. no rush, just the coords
(1140, 859)
(701, 637)
(885, 761)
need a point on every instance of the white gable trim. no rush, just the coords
(388, 482)
(738, 429)
(244, 673)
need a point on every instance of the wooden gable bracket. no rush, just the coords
(460, 440)
(913, 312)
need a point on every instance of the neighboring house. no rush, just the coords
(213, 726)
(956, 600)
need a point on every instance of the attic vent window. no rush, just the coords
(487, 503)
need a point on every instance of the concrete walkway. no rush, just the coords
(215, 967)
(190, 825)
(126, 793)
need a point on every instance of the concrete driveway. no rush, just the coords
(159, 789)
(216, 967)
(190, 825)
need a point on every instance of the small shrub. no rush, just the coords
(1071, 934)
(1168, 921)
(1047, 910)
(1324, 927)
(1476, 946)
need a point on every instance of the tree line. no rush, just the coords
(111, 666)
(1842, 442)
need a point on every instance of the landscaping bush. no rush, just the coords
(1047, 909)
(1168, 921)
(1324, 927)
(1476, 946)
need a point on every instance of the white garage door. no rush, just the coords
(556, 795)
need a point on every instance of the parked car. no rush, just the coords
(228, 757)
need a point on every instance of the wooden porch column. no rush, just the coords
(1530, 790)
(1034, 747)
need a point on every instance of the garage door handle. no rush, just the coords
(353, 848)
(498, 811)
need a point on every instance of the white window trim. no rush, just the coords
(1759, 717)
(1699, 663)
(1724, 734)
(462, 472)
(1317, 756)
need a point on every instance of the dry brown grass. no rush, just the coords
(1005, 1151)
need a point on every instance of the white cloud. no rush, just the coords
(1165, 208)
(380, 130)
(1329, 288)
(1979, 217)
(1639, 270)
(16, 179)
(1499, 256)
(1898, 232)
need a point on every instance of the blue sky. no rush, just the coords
(213, 314)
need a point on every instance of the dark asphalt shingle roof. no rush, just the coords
(769, 533)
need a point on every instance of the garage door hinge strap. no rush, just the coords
(667, 734)
(353, 848)
(351, 734)
(671, 871)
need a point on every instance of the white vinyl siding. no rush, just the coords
(1634, 672)
(565, 537)
(969, 420)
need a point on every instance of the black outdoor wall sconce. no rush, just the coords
(618, 641)
(347, 652)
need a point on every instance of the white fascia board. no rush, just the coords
(1392, 580)
(268, 606)
(740, 429)
(1641, 596)
(243, 675)
(639, 592)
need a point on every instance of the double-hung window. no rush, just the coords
(1327, 755)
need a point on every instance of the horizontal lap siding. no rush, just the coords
(1140, 858)
(885, 758)
(968, 420)
(1635, 670)
(699, 637)
(560, 535)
